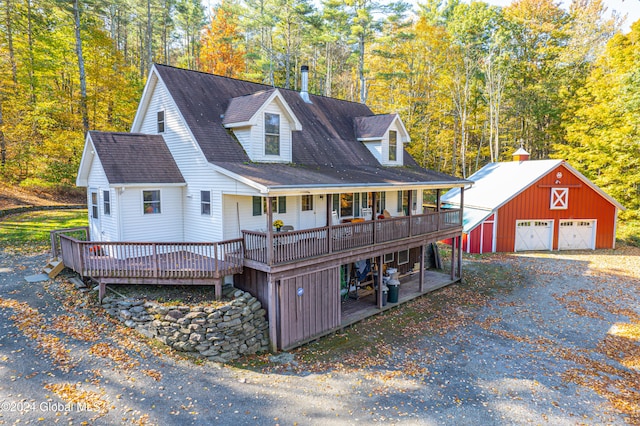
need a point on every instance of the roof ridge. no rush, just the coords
(255, 82)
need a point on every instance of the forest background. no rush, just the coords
(472, 82)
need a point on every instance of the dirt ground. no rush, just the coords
(540, 338)
(14, 197)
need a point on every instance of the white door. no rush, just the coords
(94, 215)
(309, 206)
(577, 235)
(534, 235)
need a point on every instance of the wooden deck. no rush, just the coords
(290, 247)
(355, 310)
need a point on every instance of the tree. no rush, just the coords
(602, 134)
(221, 51)
(536, 34)
(365, 23)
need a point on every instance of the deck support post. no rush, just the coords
(269, 232)
(460, 257)
(454, 240)
(421, 270)
(102, 289)
(410, 210)
(217, 283)
(272, 313)
(379, 292)
(329, 223)
(374, 216)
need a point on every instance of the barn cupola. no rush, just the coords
(520, 155)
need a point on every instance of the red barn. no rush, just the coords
(534, 205)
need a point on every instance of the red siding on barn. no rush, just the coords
(480, 236)
(534, 203)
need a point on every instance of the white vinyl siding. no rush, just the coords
(386, 158)
(380, 148)
(166, 226)
(252, 138)
(196, 171)
(105, 228)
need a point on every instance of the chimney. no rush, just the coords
(520, 155)
(304, 91)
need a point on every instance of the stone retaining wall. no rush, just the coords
(220, 333)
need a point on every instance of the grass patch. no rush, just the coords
(29, 232)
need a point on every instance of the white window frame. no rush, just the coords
(161, 121)
(559, 199)
(388, 257)
(95, 204)
(158, 202)
(266, 134)
(106, 202)
(393, 157)
(205, 205)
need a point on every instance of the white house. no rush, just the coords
(212, 159)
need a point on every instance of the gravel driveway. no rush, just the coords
(541, 338)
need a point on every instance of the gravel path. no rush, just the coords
(524, 339)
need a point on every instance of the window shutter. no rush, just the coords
(282, 204)
(356, 204)
(336, 202)
(399, 204)
(257, 206)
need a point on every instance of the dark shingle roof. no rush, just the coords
(373, 127)
(133, 158)
(325, 151)
(242, 108)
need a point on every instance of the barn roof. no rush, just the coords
(497, 183)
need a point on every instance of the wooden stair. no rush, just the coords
(53, 268)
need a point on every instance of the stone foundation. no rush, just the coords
(222, 333)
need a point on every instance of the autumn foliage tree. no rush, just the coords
(221, 50)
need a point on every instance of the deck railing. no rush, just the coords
(296, 245)
(152, 260)
(183, 260)
(80, 233)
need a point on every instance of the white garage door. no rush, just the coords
(577, 234)
(534, 235)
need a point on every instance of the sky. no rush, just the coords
(631, 8)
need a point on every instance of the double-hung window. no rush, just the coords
(94, 205)
(271, 134)
(151, 202)
(106, 202)
(393, 145)
(160, 121)
(205, 203)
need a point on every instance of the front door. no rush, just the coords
(94, 215)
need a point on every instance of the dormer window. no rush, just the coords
(271, 134)
(384, 136)
(393, 145)
(160, 121)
